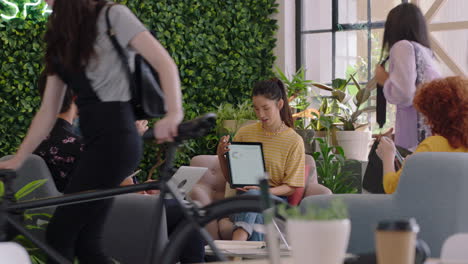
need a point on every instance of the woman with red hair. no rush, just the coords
(444, 103)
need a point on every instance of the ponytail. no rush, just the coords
(273, 89)
(285, 111)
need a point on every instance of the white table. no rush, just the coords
(239, 250)
(254, 252)
(289, 261)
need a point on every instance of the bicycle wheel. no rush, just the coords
(223, 208)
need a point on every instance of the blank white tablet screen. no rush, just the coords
(246, 164)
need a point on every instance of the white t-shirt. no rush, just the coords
(106, 70)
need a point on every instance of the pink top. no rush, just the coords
(400, 87)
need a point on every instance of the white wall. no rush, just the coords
(285, 50)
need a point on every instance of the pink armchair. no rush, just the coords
(212, 185)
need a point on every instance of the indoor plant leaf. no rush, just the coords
(29, 188)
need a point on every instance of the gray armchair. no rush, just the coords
(433, 189)
(129, 223)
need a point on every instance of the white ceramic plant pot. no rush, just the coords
(355, 144)
(318, 242)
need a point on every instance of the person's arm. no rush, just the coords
(42, 123)
(282, 190)
(400, 87)
(223, 148)
(386, 152)
(130, 32)
(146, 45)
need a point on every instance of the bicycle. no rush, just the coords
(195, 217)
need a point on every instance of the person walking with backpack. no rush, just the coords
(78, 45)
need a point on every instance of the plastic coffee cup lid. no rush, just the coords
(399, 225)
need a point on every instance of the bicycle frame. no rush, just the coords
(9, 207)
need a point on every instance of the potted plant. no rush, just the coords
(304, 129)
(297, 89)
(319, 232)
(330, 162)
(232, 117)
(351, 134)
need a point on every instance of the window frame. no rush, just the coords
(369, 25)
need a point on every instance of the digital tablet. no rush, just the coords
(246, 164)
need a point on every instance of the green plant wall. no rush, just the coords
(220, 47)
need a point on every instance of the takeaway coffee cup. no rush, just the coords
(396, 241)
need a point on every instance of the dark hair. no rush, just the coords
(273, 89)
(405, 22)
(444, 103)
(67, 99)
(71, 33)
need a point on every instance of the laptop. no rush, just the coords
(186, 177)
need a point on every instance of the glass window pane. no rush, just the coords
(351, 54)
(316, 15)
(390, 121)
(352, 11)
(376, 46)
(380, 9)
(317, 56)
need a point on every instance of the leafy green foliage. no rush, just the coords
(344, 106)
(240, 113)
(20, 63)
(297, 88)
(2, 189)
(296, 85)
(336, 211)
(37, 256)
(324, 121)
(330, 162)
(221, 48)
(25, 190)
(29, 188)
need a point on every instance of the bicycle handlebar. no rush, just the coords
(197, 127)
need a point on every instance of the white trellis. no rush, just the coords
(442, 26)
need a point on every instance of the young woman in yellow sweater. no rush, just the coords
(283, 151)
(444, 103)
